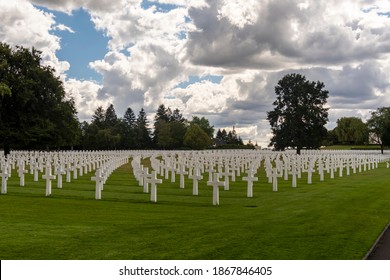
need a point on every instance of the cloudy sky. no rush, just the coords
(220, 59)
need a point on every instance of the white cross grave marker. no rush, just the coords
(59, 171)
(195, 178)
(21, 172)
(182, 171)
(4, 177)
(146, 179)
(294, 175)
(275, 179)
(250, 178)
(215, 183)
(99, 179)
(48, 177)
(153, 186)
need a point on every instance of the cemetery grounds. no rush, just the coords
(337, 218)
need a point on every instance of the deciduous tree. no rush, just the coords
(351, 130)
(196, 138)
(35, 111)
(379, 126)
(299, 115)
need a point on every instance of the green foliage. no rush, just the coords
(229, 139)
(164, 139)
(110, 117)
(337, 219)
(196, 138)
(379, 127)
(299, 116)
(351, 130)
(204, 124)
(35, 111)
(4, 90)
(169, 128)
(129, 118)
(143, 138)
(107, 131)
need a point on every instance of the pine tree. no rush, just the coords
(143, 132)
(110, 117)
(130, 118)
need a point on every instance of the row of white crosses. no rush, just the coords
(223, 166)
(102, 173)
(69, 163)
(194, 165)
(144, 178)
(220, 166)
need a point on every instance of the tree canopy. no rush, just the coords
(351, 130)
(299, 115)
(35, 110)
(196, 138)
(379, 126)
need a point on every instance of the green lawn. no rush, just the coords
(336, 219)
(354, 147)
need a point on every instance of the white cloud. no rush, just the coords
(240, 13)
(252, 44)
(85, 96)
(23, 25)
(63, 27)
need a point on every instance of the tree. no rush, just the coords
(127, 129)
(163, 116)
(130, 118)
(351, 130)
(379, 127)
(99, 116)
(142, 131)
(110, 117)
(35, 111)
(196, 138)
(204, 124)
(165, 140)
(299, 116)
(222, 137)
(169, 128)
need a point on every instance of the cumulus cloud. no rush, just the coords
(62, 27)
(99, 5)
(85, 96)
(251, 44)
(23, 25)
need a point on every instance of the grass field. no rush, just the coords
(336, 219)
(354, 147)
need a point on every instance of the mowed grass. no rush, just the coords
(336, 219)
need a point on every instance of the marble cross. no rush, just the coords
(195, 178)
(153, 186)
(48, 177)
(4, 177)
(250, 178)
(215, 183)
(99, 179)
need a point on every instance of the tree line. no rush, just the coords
(300, 114)
(37, 113)
(354, 131)
(170, 130)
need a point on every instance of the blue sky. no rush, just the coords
(86, 44)
(215, 58)
(161, 7)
